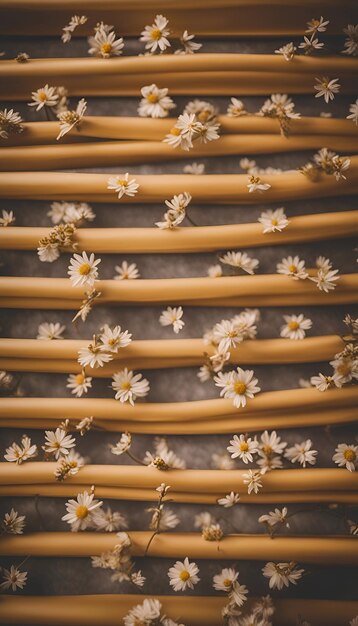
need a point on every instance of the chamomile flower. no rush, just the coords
(83, 269)
(13, 523)
(325, 280)
(155, 36)
(104, 44)
(93, 355)
(129, 386)
(295, 326)
(123, 444)
(109, 521)
(229, 500)
(114, 338)
(75, 21)
(302, 453)
(274, 518)
(281, 574)
(172, 317)
(255, 184)
(80, 512)
(252, 479)
(273, 221)
(240, 260)
(236, 108)
(122, 185)
(227, 334)
(292, 266)
(227, 581)
(346, 456)
(189, 46)
(287, 51)
(322, 382)
(45, 96)
(10, 122)
(317, 26)
(146, 613)
(7, 218)
(326, 88)
(13, 579)
(126, 271)
(353, 112)
(310, 44)
(79, 384)
(351, 43)
(19, 453)
(243, 448)
(50, 330)
(69, 119)
(183, 575)
(271, 444)
(155, 102)
(58, 442)
(238, 385)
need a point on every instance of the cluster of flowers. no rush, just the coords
(156, 39)
(280, 107)
(198, 122)
(119, 561)
(176, 212)
(163, 458)
(310, 41)
(345, 367)
(149, 612)
(327, 162)
(295, 268)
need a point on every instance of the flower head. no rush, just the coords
(122, 185)
(155, 36)
(70, 119)
(295, 326)
(45, 96)
(346, 456)
(83, 269)
(80, 511)
(172, 317)
(238, 385)
(155, 102)
(183, 575)
(104, 44)
(10, 122)
(129, 386)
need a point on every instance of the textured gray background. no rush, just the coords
(75, 576)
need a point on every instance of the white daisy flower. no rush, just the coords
(188, 125)
(58, 442)
(7, 218)
(241, 260)
(80, 511)
(273, 518)
(310, 44)
(19, 453)
(252, 479)
(268, 463)
(175, 139)
(13, 523)
(93, 355)
(146, 613)
(194, 168)
(155, 102)
(189, 46)
(287, 51)
(69, 119)
(155, 36)
(183, 575)
(271, 444)
(345, 368)
(79, 384)
(109, 521)
(255, 184)
(227, 334)
(114, 338)
(48, 253)
(324, 280)
(273, 221)
(327, 88)
(105, 44)
(351, 43)
(13, 579)
(45, 96)
(281, 574)
(75, 21)
(346, 455)
(123, 444)
(129, 386)
(50, 330)
(295, 326)
(322, 382)
(126, 271)
(292, 266)
(215, 271)
(83, 269)
(122, 185)
(84, 425)
(10, 122)
(317, 26)
(353, 110)
(301, 453)
(69, 465)
(171, 316)
(176, 211)
(238, 385)
(227, 581)
(229, 500)
(243, 447)
(236, 108)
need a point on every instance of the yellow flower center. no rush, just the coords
(349, 455)
(267, 450)
(293, 268)
(274, 222)
(175, 131)
(80, 379)
(240, 388)
(106, 48)
(244, 446)
(344, 369)
(203, 116)
(123, 183)
(112, 342)
(184, 575)
(227, 582)
(42, 96)
(84, 269)
(152, 98)
(293, 325)
(126, 385)
(156, 34)
(81, 511)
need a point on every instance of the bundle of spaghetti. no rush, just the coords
(208, 189)
(200, 74)
(289, 408)
(323, 550)
(88, 610)
(148, 129)
(113, 153)
(163, 353)
(209, 18)
(302, 229)
(260, 289)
